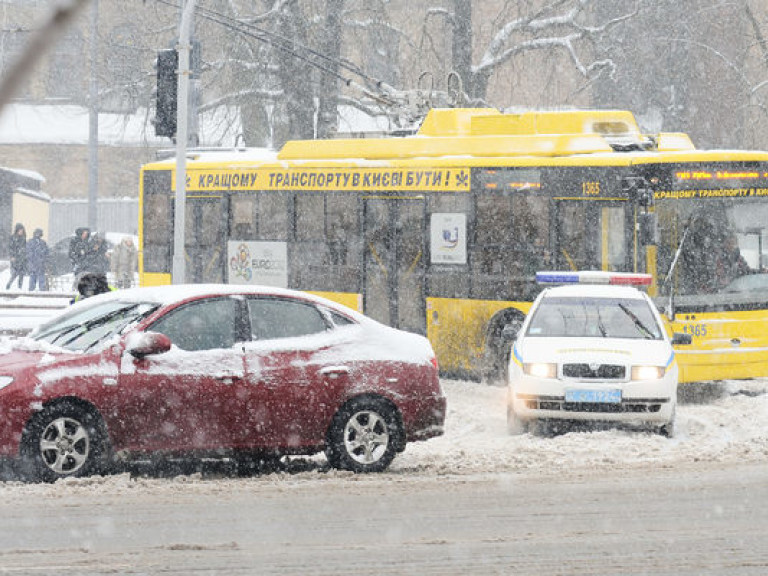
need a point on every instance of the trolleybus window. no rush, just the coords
(310, 217)
(273, 216)
(242, 224)
(713, 229)
(157, 213)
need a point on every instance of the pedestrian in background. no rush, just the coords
(37, 258)
(18, 255)
(124, 262)
(91, 284)
(78, 251)
(96, 259)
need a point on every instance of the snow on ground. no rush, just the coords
(22, 320)
(717, 422)
(722, 423)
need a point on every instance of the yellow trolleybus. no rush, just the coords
(441, 232)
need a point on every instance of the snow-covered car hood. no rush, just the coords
(594, 350)
(20, 353)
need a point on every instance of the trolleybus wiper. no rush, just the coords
(673, 265)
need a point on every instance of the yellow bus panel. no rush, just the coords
(457, 328)
(725, 345)
(348, 299)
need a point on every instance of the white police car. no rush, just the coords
(593, 349)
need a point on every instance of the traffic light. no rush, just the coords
(167, 82)
(639, 190)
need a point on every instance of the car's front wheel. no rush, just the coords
(668, 429)
(515, 426)
(64, 441)
(364, 436)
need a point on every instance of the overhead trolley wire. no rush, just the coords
(289, 46)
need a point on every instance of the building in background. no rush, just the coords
(695, 66)
(21, 200)
(114, 215)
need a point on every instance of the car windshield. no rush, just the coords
(594, 317)
(87, 328)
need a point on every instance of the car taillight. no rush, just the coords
(433, 360)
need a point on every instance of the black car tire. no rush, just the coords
(63, 441)
(668, 429)
(364, 436)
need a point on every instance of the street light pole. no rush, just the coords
(179, 224)
(93, 123)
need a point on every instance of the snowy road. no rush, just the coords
(475, 501)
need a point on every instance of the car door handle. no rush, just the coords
(334, 372)
(228, 379)
(268, 382)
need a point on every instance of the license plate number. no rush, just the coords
(607, 396)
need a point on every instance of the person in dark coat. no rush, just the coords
(96, 259)
(90, 284)
(18, 255)
(78, 250)
(37, 257)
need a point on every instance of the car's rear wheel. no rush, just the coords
(64, 441)
(364, 436)
(500, 335)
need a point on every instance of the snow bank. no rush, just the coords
(723, 425)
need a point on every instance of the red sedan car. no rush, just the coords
(213, 370)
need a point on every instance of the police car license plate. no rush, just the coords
(602, 396)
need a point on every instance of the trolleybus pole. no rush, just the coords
(179, 224)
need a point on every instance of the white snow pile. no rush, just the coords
(723, 423)
(716, 422)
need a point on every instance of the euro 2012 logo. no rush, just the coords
(240, 263)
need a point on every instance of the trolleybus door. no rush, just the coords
(205, 243)
(393, 285)
(591, 235)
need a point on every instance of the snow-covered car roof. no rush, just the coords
(171, 294)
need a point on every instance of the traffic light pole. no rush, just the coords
(180, 206)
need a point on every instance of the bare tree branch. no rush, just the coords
(61, 15)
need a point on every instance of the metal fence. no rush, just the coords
(113, 215)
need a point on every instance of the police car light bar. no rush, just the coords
(594, 277)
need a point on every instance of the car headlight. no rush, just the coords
(5, 381)
(648, 372)
(540, 370)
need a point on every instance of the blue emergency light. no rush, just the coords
(594, 277)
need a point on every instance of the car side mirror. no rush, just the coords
(680, 338)
(147, 343)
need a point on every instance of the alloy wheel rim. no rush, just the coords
(366, 437)
(64, 446)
